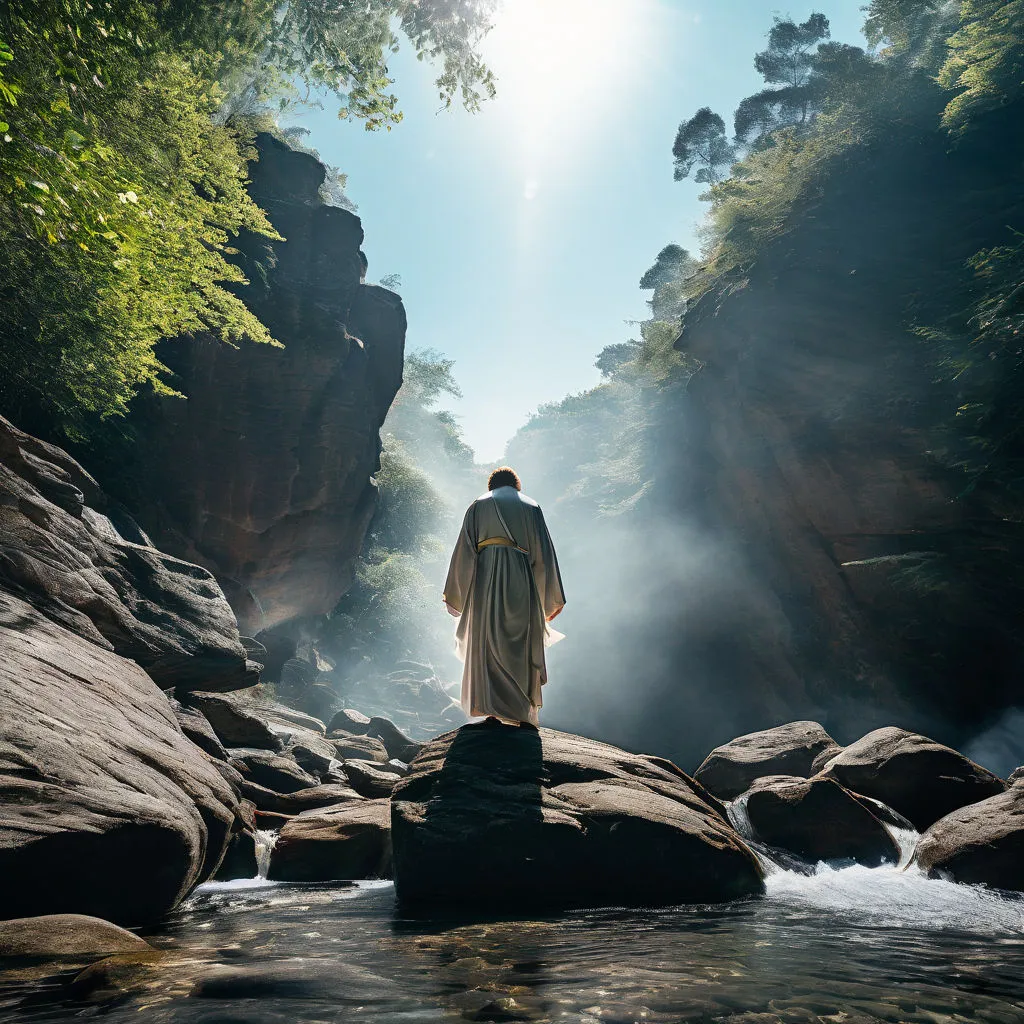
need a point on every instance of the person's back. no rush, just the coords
(503, 583)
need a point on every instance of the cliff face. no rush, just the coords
(263, 474)
(807, 443)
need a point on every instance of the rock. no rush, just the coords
(1017, 775)
(288, 719)
(980, 844)
(302, 800)
(281, 774)
(337, 843)
(370, 779)
(398, 767)
(316, 758)
(61, 551)
(278, 506)
(366, 748)
(817, 820)
(349, 722)
(234, 721)
(396, 743)
(240, 860)
(917, 777)
(108, 809)
(499, 816)
(195, 726)
(66, 935)
(319, 699)
(790, 749)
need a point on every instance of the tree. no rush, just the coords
(701, 143)
(788, 67)
(612, 357)
(673, 267)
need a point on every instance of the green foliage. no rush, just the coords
(669, 277)
(118, 198)
(985, 60)
(125, 130)
(701, 143)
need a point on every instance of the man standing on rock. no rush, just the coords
(504, 584)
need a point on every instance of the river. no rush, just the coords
(849, 946)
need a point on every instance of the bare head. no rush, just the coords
(504, 476)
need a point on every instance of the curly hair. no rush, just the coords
(504, 476)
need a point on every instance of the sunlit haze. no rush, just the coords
(520, 233)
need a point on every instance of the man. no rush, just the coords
(504, 584)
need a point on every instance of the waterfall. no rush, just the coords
(265, 840)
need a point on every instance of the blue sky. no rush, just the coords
(520, 232)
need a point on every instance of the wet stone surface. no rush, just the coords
(855, 946)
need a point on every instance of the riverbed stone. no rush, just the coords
(549, 820)
(350, 722)
(789, 749)
(106, 809)
(352, 747)
(918, 777)
(818, 820)
(980, 844)
(235, 720)
(339, 843)
(70, 935)
(371, 778)
(272, 771)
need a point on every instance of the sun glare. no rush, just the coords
(560, 64)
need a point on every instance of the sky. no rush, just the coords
(520, 232)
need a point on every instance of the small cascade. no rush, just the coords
(771, 860)
(266, 840)
(906, 839)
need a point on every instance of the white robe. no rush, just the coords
(504, 597)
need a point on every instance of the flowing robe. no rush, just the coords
(504, 596)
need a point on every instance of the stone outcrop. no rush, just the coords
(982, 843)
(235, 721)
(263, 474)
(66, 935)
(106, 808)
(921, 779)
(499, 816)
(74, 555)
(345, 842)
(791, 749)
(817, 820)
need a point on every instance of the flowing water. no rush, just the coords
(849, 946)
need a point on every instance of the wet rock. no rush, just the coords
(240, 859)
(549, 820)
(364, 748)
(108, 810)
(817, 819)
(370, 778)
(234, 721)
(982, 843)
(337, 843)
(328, 981)
(789, 749)
(921, 779)
(65, 935)
(281, 774)
(350, 722)
(195, 726)
(61, 551)
(396, 743)
(299, 801)
(118, 977)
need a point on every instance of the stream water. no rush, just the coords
(849, 946)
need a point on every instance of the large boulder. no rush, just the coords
(106, 808)
(281, 774)
(66, 549)
(236, 721)
(817, 819)
(982, 843)
(372, 779)
(791, 749)
(66, 935)
(195, 726)
(395, 741)
(500, 816)
(345, 842)
(269, 800)
(916, 776)
(364, 748)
